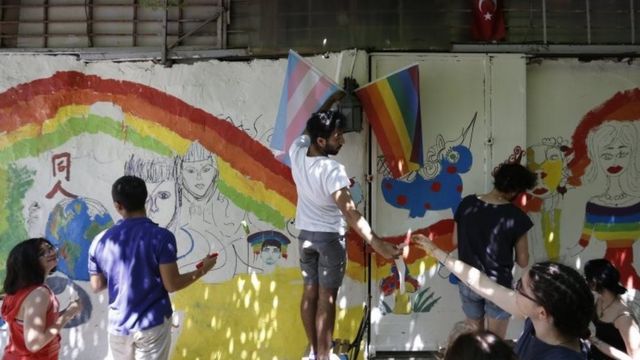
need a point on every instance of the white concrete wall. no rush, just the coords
(243, 308)
(537, 106)
(453, 89)
(251, 314)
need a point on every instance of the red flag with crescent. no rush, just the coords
(488, 20)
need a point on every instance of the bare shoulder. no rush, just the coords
(624, 319)
(37, 298)
(39, 291)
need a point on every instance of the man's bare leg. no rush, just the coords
(475, 324)
(325, 320)
(498, 327)
(308, 310)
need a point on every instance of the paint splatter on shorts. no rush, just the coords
(323, 258)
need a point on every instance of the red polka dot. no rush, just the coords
(459, 188)
(401, 200)
(427, 206)
(388, 186)
(436, 186)
(452, 169)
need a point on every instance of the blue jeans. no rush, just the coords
(476, 307)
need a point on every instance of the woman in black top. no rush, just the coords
(491, 234)
(617, 334)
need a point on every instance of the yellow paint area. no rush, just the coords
(24, 132)
(613, 236)
(551, 231)
(396, 117)
(553, 169)
(142, 126)
(152, 129)
(32, 130)
(428, 263)
(252, 316)
(255, 190)
(356, 271)
(64, 113)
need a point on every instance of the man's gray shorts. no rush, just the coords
(322, 258)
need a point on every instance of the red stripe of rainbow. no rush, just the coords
(33, 103)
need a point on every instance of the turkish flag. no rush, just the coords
(488, 20)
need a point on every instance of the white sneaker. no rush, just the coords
(311, 356)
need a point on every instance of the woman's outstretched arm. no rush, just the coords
(472, 277)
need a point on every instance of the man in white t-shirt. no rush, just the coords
(324, 210)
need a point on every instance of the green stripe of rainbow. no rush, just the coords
(45, 113)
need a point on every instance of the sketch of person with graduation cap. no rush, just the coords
(268, 248)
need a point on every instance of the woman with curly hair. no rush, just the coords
(489, 230)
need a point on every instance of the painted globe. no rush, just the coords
(71, 227)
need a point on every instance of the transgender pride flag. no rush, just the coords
(305, 91)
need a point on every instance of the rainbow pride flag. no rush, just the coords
(392, 106)
(305, 91)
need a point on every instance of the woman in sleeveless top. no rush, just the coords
(617, 333)
(29, 307)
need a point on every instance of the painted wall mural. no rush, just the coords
(64, 102)
(581, 135)
(66, 137)
(68, 130)
(606, 145)
(400, 291)
(268, 248)
(438, 184)
(549, 160)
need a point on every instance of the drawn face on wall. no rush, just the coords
(161, 202)
(270, 255)
(614, 157)
(547, 163)
(198, 176)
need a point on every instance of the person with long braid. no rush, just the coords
(554, 299)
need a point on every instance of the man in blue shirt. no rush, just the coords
(136, 261)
